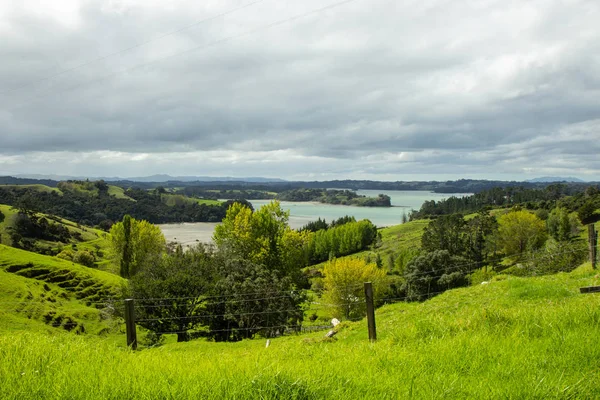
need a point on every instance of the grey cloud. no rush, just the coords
(462, 87)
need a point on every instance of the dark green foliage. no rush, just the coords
(252, 300)
(314, 226)
(184, 278)
(570, 196)
(542, 214)
(28, 228)
(244, 202)
(432, 273)
(342, 221)
(472, 240)
(333, 196)
(215, 294)
(445, 233)
(233, 194)
(85, 207)
(586, 211)
(320, 224)
(480, 238)
(2, 216)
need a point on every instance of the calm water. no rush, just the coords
(301, 213)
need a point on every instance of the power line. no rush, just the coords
(135, 46)
(201, 47)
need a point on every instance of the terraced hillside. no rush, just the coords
(39, 291)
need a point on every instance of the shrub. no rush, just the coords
(84, 257)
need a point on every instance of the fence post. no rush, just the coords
(592, 244)
(370, 311)
(130, 324)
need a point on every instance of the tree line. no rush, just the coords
(254, 270)
(102, 209)
(455, 250)
(575, 198)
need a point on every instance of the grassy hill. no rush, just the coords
(82, 237)
(512, 338)
(179, 200)
(47, 293)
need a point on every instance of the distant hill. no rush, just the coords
(151, 178)
(550, 179)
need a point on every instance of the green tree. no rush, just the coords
(586, 212)
(519, 231)
(445, 233)
(480, 238)
(183, 279)
(250, 299)
(1, 217)
(263, 237)
(432, 273)
(562, 225)
(135, 245)
(343, 283)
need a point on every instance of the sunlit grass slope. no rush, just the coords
(512, 338)
(42, 292)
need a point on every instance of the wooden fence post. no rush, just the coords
(130, 324)
(370, 311)
(592, 244)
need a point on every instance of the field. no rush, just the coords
(179, 200)
(512, 338)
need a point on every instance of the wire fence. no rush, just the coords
(269, 312)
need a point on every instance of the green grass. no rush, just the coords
(179, 199)
(118, 192)
(9, 213)
(393, 239)
(513, 338)
(40, 291)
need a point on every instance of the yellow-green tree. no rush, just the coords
(136, 244)
(263, 237)
(519, 231)
(343, 283)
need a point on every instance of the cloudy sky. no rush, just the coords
(310, 90)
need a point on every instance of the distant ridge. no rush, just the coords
(549, 179)
(152, 178)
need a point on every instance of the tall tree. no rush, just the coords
(445, 233)
(562, 225)
(135, 245)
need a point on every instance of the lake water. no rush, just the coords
(301, 213)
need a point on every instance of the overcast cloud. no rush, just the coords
(376, 89)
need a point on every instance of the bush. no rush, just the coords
(433, 273)
(344, 290)
(556, 257)
(84, 257)
(66, 254)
